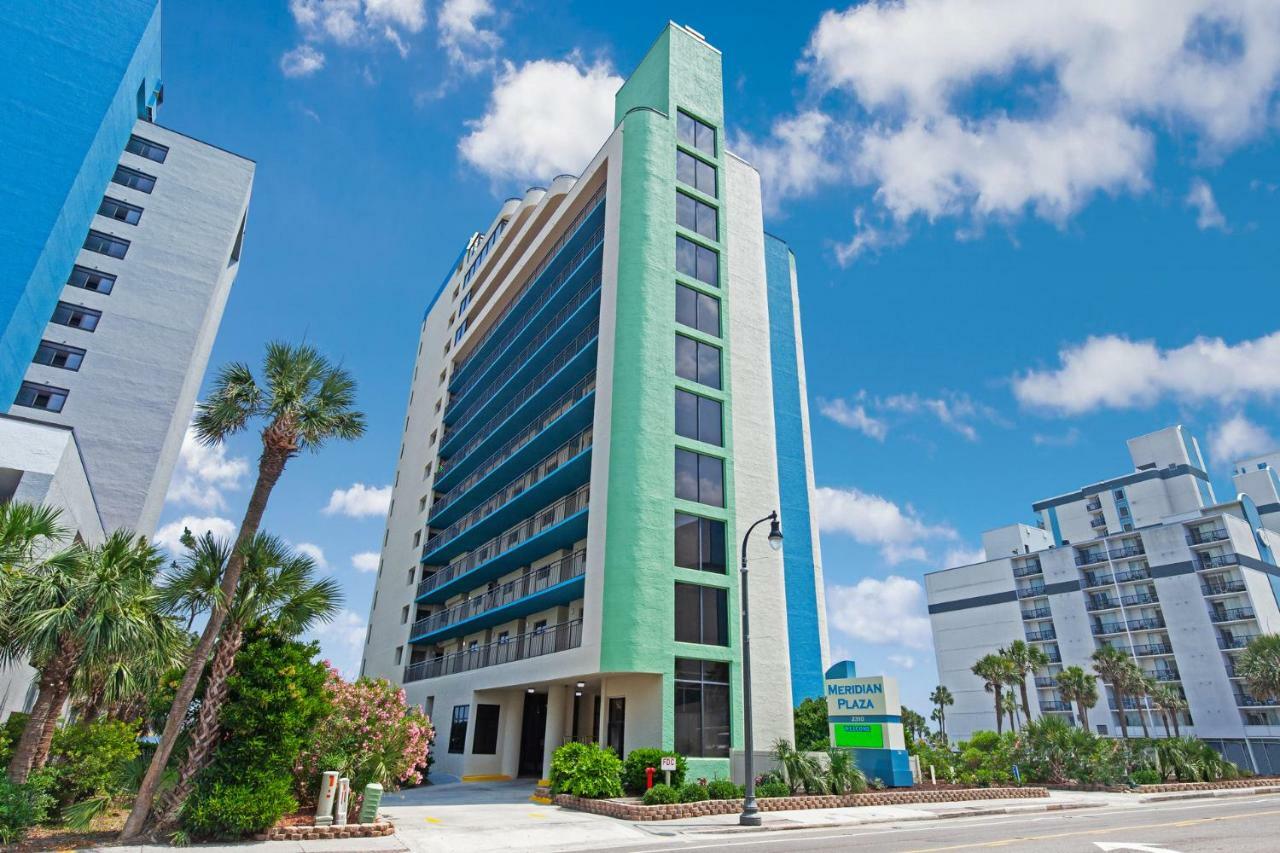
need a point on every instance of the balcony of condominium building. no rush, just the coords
(539, 641)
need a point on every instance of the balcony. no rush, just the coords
(1093, 505)
(567, 466)
(1131, 703)
(1149, 624)
(1223, 587)
(1088, 558)
(1054, 655)
(1244, 700)
(1128, 551)
(1092, 580)
(1046, 681)
(1217, 561)
(531, 644)
(1235, 614)
(1204, 537)
(568, 414)
(1233, 642)
(563, 369)
(559, 525)
(1139, 598)
(1041, 636)
(572, 235)
(1031, 591)
(1142, 574)
(1151, 650)
(1038, 613)
(1027, 570)
(1165, 673)
(1055, 706)
(533, 591)
(1098, 523)
(1101, 603)
(518, 363)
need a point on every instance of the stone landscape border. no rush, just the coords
(1220, 785)
(378, 829)
(630, 810)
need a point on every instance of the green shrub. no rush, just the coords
(843, 775)
(661, 795)
(586, 770)
(633, 775)
(1146, 776)
(89, 759)
(238, 809)
(773, 789)
(23, 806)
(692, 792)
(10, 732)
(813, 732)
(723, 789)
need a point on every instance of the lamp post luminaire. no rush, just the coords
(750, 813)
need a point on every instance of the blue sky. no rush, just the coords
(1025, 231)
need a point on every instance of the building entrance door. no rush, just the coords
(533, 734)
(617, 723)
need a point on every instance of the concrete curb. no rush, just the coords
(651, 826)
(1213, 794)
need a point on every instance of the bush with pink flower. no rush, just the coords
(371, 735)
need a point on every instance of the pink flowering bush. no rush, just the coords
(371, 735)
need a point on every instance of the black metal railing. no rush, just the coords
(1084, 558)
(531, 644)
(1203, 537)
(1038, 613)
(1147, 649)
(1025, 571)
(1091, 579)
(1233, 642)
(1093, 505)
(1103, 603)
(1141, 574)
(1222, 587)
(1098, 523)
(1055, 706)
(1219, 560)
(1046, 681)
(1046, 634)
(1128, 551)
(1233, 614)
(1032, 590)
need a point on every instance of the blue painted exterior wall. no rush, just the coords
(803, 622)
(69, 97)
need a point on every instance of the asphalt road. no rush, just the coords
(1238, 825)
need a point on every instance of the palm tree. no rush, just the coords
(1026, 659)
(1080, 687)
(1259, 666)
(1112, 666)
(942, 698)
(1140, 688)
(1171, 703)
(277, 586)
(305, 403)
(91, 607)
(1010, 703)
(994, 672)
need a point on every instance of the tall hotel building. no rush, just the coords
(1148, 562)
(119, 242)
(609, 388)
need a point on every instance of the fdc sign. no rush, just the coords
(865, 715)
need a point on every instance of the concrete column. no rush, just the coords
(556, 697)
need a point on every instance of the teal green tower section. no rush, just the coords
(681, 74)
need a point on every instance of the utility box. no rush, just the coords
(372, 799)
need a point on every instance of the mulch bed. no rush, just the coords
(103, 833)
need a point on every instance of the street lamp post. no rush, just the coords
(750, 813)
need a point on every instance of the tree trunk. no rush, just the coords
(33, 747)
(205, 737)
(1175, 714)
(270, 467)
(1026, 705)
(20, 762)
(1124, 717)
(1084, 715)
(50, 724)
(1142, 718)
(999, 711)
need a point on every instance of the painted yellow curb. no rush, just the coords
(544, 783)
(542, 801)
(492, 777)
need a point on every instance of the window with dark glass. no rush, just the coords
(695, 173)
(697, 261)
(105, 244)
(76, 316)
(697, 362)
(696, 134)
(59, 355)
(485, 740)
(133, 179)
(698, 417)
(458, 728)
(699, 543)
(114, 208)
(699, 477)
(702, 708)
(98, 282)
(697, 216)
(697, 310)
(46, 397)
(702, 615)
(147, 148)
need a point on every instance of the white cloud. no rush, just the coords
(365, 562)
(544, 118)
(1200, 198)
(315, 552)
(889, 611)
(303, 61)
(342, 642)
(899, 533)
(468, 45)
(1065, 439)
(963, 556)
(871, 415)
(1113, 372)
(170, 535)
(904, 661)
(854, 417)
(991, 110)
(1238, 438)
(203, 473)
(359, 501)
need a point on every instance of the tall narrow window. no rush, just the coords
(697, 310)
(697, 361)
(485, 740)
(695, 173)
(146, 148)
(458, 728)
(697, 261)
(697, 216)
(59, 355)
(105, 244)
(89, 279)
(47, 397)
(702, 708)
(702, 615)
(699, 543)
(76, 316)
(699, 418)
(699, 477)
(121, 211)
(133, 179)
(696, 134)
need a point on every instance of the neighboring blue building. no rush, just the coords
(89, 75)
